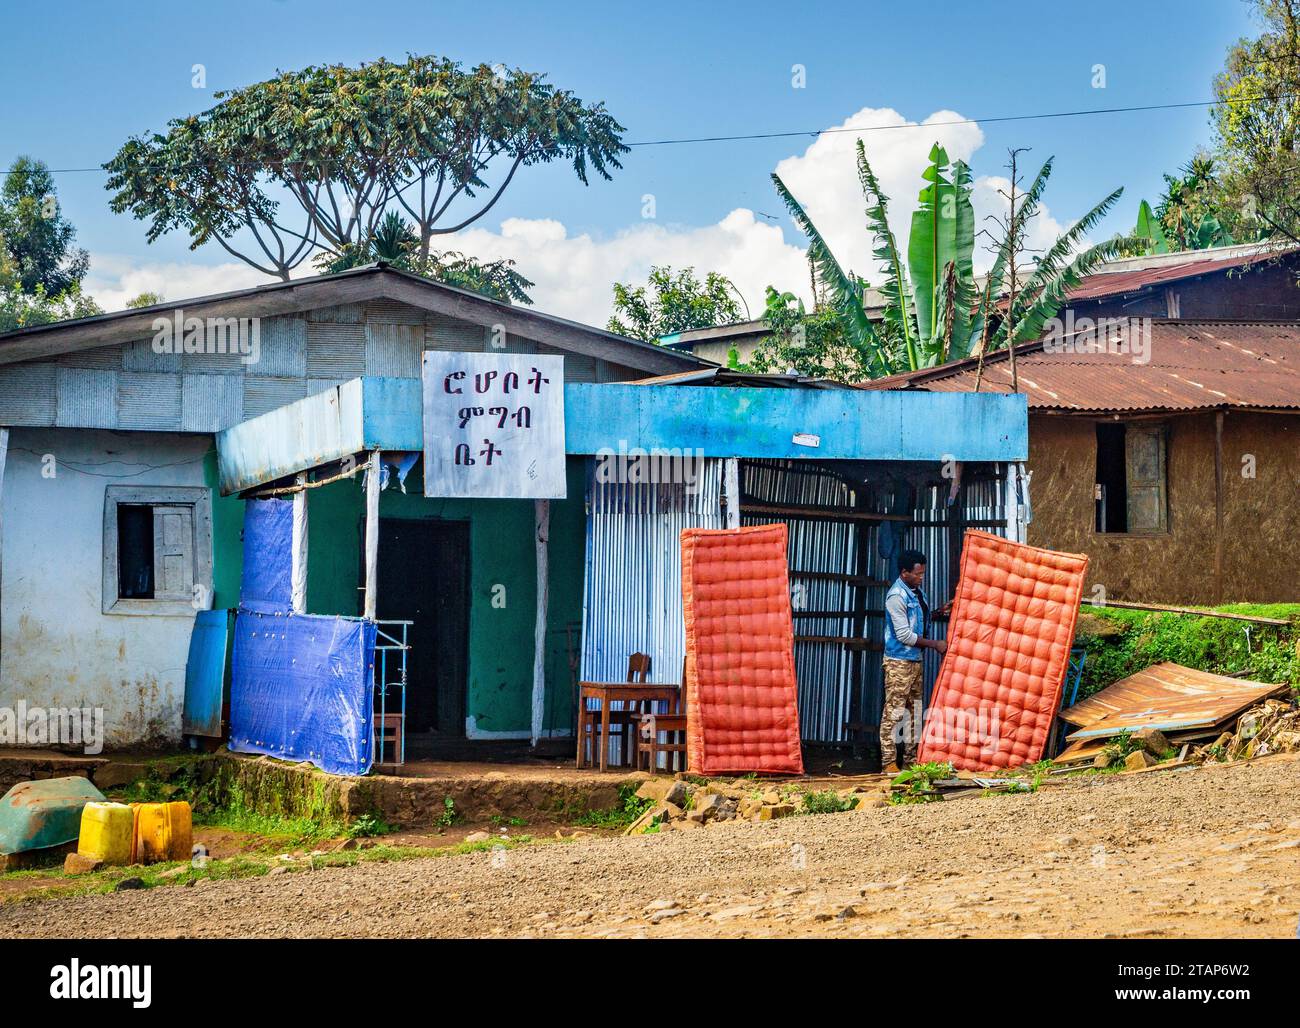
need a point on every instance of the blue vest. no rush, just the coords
(917, 616)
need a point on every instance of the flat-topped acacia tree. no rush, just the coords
(313, 159)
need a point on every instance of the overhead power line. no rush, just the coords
(997, 119)
(953, 121)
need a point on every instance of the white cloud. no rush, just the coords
(574, 274)
(115, 278)
(824, 179)
(989, 196)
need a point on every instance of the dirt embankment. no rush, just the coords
(1211, 852)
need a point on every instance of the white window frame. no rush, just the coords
(199, 499)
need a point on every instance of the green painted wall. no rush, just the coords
(227, 538)
(503, 593)
(334, 514)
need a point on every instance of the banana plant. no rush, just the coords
(934, 310)
(940, 248)
(1060, 268)
(1148, 226)
(929, 300)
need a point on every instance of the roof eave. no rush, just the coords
(355, 285)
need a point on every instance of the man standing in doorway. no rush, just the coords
(907, 618)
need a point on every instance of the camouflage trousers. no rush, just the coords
(900, 717)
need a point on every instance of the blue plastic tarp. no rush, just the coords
(267, 583)
(302, 689)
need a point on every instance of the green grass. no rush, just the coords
(181, 778)
(367, 826)
(1035, 770)
(630, 807)
(826, 802)
(448, 817)
(168, 778)
(918, 782)
(1120, 642)
(292, 829)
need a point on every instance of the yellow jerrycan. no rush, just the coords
(163, 831)
(107, 833)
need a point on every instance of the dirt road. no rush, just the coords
(1212, 852)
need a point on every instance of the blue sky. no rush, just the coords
(92, 74)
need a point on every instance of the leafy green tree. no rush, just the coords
(670, 303)
(19, 309)
(317, 157)
(143, 300)
(40, 270)
(1189, 207)
(812, 343)
(37, 237)
(1194, 213)
(934, 310)
(395, 242)
(1257, 120)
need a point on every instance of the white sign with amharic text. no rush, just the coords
(493, 425)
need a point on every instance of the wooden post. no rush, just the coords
(372, 536)
(542, 521)
(731, 490)
(299, 574)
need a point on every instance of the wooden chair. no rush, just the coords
(622, 723)
(389, 732)
(648, 746)
(645, 741)
(390, 725)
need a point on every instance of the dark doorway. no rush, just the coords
(1112, 478)
(424, 578)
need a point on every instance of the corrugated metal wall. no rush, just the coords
(632, 599)
(825, 671)
(632, 592)
(632, 596)
(830, 672)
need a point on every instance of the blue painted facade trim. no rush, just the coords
(825, 424)
(392, 413)
(828, 424)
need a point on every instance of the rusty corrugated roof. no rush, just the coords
(1167, 696)
(1117, 283)
(1146, 365)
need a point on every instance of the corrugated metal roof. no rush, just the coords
(1173, 365)
(1117, 282)
(1167, 696)
(370, 282)
(725, 376)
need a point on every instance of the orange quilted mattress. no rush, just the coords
(1008, 648)
(741, 695)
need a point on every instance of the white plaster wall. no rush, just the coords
(57, 649)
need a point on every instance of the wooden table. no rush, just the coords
(607, 693)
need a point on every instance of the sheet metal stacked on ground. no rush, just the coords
(1185, 704)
